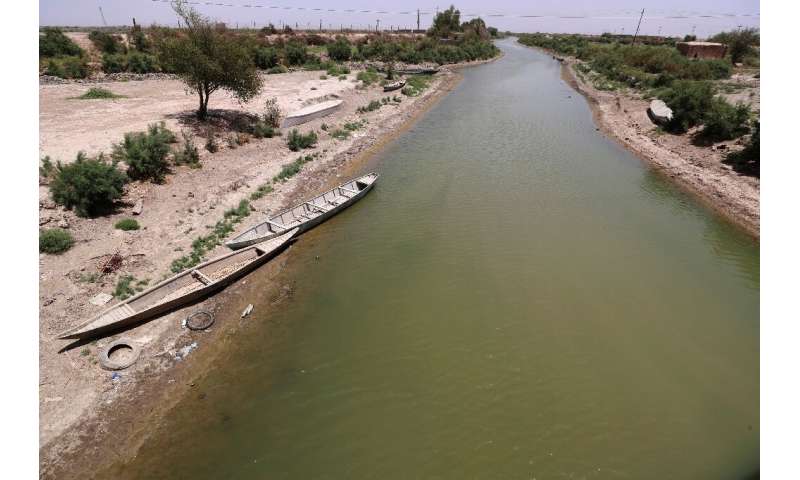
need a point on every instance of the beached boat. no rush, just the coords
(311, 112)
(394, 86)
(418, 71)
(307, 215)
(182, 289)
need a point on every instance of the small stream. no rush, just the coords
(518, 297)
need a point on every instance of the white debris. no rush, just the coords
(100, 299)
(184, 352)
(247, 310)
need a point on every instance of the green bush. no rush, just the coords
(188, 155)
(96, 93)
(262, 129)
(115, 63)
(748, 160)
(89, 185)
(55, 240)
(68, 67)
(295, 53)
(372, 106)
(277, 69)
(725, 121)
(340, 50)
(265, 57)
(106, 42)
(145, 153)
(55, 44)
(292, 169)
(127, 224)
(139, 62)
(272, 112)
(297, 141)
(368, 76)
(689, 101)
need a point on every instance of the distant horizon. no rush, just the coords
(670, 18)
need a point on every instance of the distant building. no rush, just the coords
(702, 49)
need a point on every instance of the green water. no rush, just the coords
(518, 297)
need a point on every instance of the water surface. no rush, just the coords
(519, 297)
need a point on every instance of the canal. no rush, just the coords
(518, 297)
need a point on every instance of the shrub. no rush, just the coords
(368, 76)
(295, 53)
(47, 168)
(265, 57)
(145, 153)
(188, 155)
(89, 185)
(115, 63)
(261, 191)
(725, 121)
(292, 169)
(55, 44)
(337, 70)
(211, 143)
(96, 93)
(372, 106)
(340, 134)
(139, 62)
(68, 67)
(277, 69)
(127, 224)
(748, 160)
(55, 240)
(297, 141)
(262, 129)
(127, 286)
(272, 112)
(689, 101)
(106, 43)
(340, 50)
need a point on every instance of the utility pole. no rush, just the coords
(418, 19)
(637, 27)
(377, 24)
(320, 24)
(103, 16)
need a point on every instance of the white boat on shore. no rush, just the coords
(394, 86)
(181, 289)
(311, 112)
(307, 215)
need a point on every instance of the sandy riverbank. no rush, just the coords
(697, 169)
(88, 419)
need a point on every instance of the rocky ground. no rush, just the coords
(697, 168)
(82, 405)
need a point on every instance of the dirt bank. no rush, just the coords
(697, 169)
(88, 418)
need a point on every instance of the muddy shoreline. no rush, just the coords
(112, 431)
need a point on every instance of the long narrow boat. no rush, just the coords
(394, 86)
(183, 288)
(311, 112)
(307, 215)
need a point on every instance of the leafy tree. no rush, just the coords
(740, 42)
(207, 59)
(55, 44)
(106, 42)
(689, 38)
(748, 160)
(89, 185)
(445, 23)
(340, 50)
(475, 28)
(265, 57)
(269, 30)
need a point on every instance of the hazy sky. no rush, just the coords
(608, 16)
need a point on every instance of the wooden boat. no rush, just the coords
(394, 86)
(311, 112)
(182, 289)
(307, 215)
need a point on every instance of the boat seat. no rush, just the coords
(201, 277)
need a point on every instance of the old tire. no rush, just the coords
(105, 354)
(199, 320)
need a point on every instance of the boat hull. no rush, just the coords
(88, 331)
(301, 117)
(305, 226)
